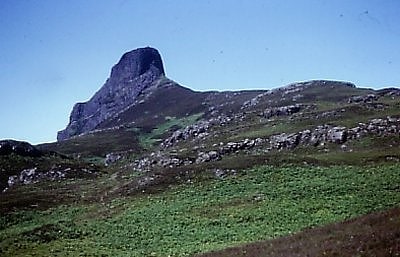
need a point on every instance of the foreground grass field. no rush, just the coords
(375, 234)
(258, 204)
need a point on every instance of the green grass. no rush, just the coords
(364, 151)
(97, 144)
(260, 203)
(261, 131)
(353, 114)
(147, 140)
(95, 160)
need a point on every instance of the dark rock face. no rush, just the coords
(17, 147)
(135, 71)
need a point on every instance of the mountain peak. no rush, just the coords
(135, 71)
(137, 62)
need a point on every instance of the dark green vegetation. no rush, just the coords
(163, 200)
(375, 234)
(97, 145)
(151, 138)
(256, 204)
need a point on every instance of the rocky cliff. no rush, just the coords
(135, 71)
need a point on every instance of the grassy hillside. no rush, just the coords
(375, 234)
(256, 204)
(96, 144)
(307, 166)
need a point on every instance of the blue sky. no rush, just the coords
(56, 53)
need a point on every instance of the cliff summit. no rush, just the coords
(135, 71)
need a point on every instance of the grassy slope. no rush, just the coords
(258, 204)
(97, 144)
(166, 98)
(375, 234)
(95, 217)
(149, 139)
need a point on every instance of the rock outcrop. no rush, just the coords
(136, 71)
(197, 130)
(282, 111)
(363, 98)
(317, 137)
(57, 172)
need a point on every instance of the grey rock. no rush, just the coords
(198, 129)
(344, 148)
(112, 158)
(319, 136)
(213, 155)
(136, 71)
(207, 157)
(33, 175)
(327, 114)
(146, 181)
(337, 135)
(159, 159)
(363, 98)
(282, 111)
(254, 101)
(203, 157)
(223, 173)
(285, 140)
(195, 131)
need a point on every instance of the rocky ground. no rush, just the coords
(128, 147)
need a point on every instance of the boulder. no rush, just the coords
(112, 158)
(285, 140)
(337, 135)
(208, 156)
(282, 111)
(223, 173)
